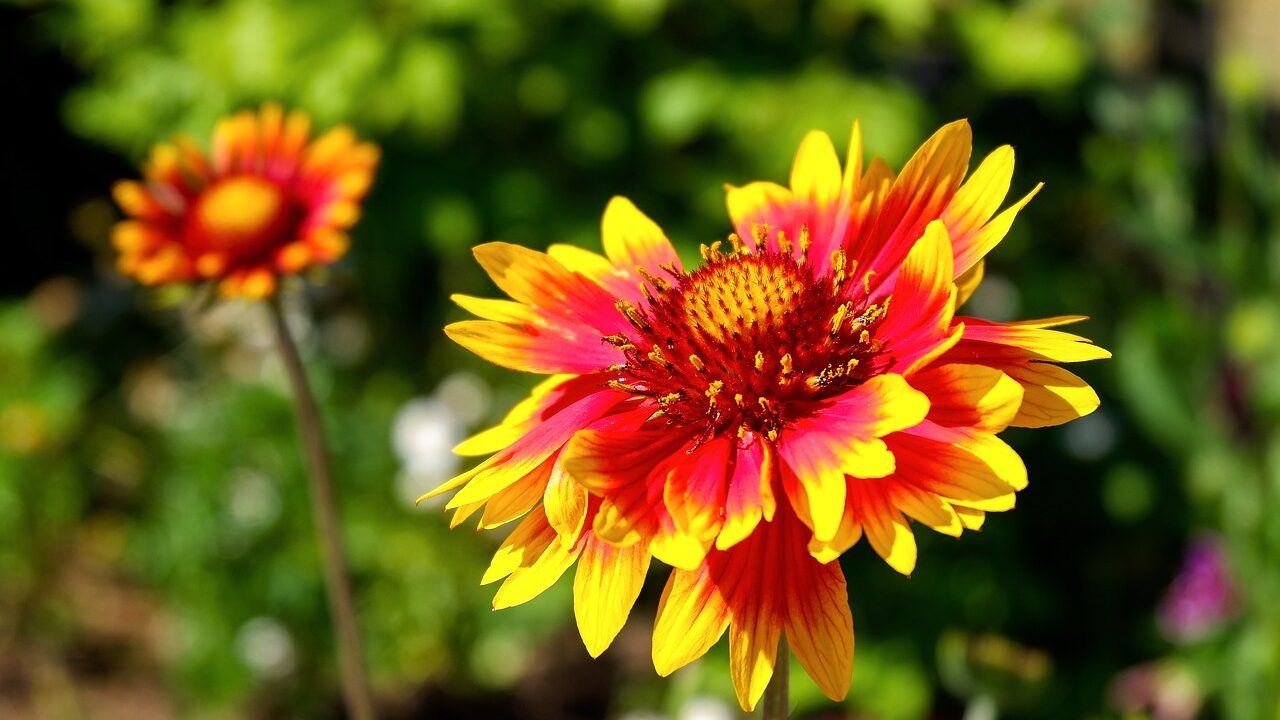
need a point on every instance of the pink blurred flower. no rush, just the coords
(1202, 597)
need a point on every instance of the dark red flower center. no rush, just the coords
(243, 216)
(740, 342)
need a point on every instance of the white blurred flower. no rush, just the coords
(265, 647)
(995, 299)
(467, 395)
(1091, 437)
(642, 715)
(423, 435)
(426, 429)
(706, 708)
(252, 499)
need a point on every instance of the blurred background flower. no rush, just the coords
(155, 551)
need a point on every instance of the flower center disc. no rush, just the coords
(242, 216)
(739, 342)
(746, 296)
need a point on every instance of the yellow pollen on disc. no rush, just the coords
(742, 296)
(242, 214)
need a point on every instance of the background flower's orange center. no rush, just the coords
(243, 215)
(743, 339)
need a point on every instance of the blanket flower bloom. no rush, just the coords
(748, 421)
(266, 201)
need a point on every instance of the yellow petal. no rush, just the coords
(631, 239)
(514, 501)
(692, 616)
(605, 588)
(976, 396)
(819, 627)
(853, 161)
(751, 202)
(566, 505)
(815, 173)
(991, 234)
(529, 582)
(892, 539)
(928, 509)
(969, 281)
(521, 548)
(1051, 395)
(971, 518)
(504, 311)
(753, 649)
(980, 196)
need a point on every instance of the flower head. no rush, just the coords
(749, 420)
(266, 201)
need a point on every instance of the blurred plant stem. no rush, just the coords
(776, 701)
(355, 684)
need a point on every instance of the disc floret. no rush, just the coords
(747, 340)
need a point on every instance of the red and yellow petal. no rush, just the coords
(749, 497)
(976, 396)
(925, 289)
(757, 590)
(918, 195)
(842, 438)
(545, 397)
(550, 289)
(512, 463)
(627, 469)
(632, 240)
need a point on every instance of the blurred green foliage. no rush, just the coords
(155, 538)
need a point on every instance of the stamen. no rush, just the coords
(838, 318)
(784, 242)
(697, 364)
(713, 390)
(634, 316)
(785, 362)
(659, 284)
(736, 242)
(759, 361)
(838, 261)
(760, 233)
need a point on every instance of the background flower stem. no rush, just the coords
(355, 684)
(777, 701)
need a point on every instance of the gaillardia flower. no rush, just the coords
(266, 201)
(748, 420)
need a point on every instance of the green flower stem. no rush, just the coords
(355, 684)
(777, 703)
